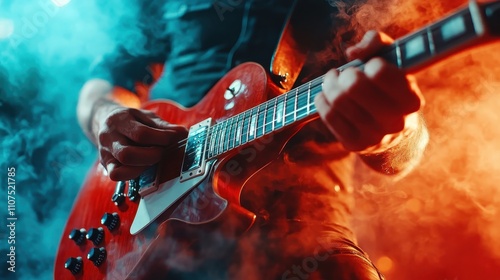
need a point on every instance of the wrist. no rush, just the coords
(390, 141)
(98, 114)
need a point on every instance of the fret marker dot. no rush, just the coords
(453, 28)
(415, 47)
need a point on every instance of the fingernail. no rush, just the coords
(110, 167)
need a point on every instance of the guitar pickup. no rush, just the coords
(146, 182)
(193, 164)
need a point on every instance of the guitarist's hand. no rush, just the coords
(131, 140)
(366, 110)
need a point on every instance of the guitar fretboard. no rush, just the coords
(270, 116)
(410, 53)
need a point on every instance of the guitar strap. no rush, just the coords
(289, 57)
(305, 30)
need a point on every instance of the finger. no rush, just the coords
(105, 157)
(394, 83)
(331, 85)
(122, 172)
(343, 130)
(108, 162)
(128, 154)
(149, 118)
(353, 126)
(364, 104)
(149, 136)
(369, 45)
(355, 113)
(116, 171)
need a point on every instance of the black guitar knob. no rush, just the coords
(96, 235)
(119, 195)
(97, 255)
(111, 221)
(78, 235)
(74, 265)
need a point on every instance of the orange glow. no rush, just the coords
(442, 221)
(125, 97)
(384, 264)
(413, 205)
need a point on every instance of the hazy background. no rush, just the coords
(441, 222)
(46, 48)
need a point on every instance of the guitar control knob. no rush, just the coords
(119, 195)
(78, 235)
(111, 221)
(133, 190)
(74, 265)
(96, 235)
(97, 255)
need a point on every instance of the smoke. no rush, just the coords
(46, 48)
(441, 221)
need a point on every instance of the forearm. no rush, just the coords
(403, 156)
(97, 99)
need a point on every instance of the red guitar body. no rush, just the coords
(213, 203)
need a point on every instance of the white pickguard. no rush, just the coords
(154, 204)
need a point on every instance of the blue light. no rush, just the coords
(6, 28)
(61, 3)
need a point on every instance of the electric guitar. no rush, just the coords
(113, 230)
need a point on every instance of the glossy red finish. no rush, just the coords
(125, 251)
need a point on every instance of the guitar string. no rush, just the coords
(313, 84)
(299, 104)
(300, 90)
(296, 94)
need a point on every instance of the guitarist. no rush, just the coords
(305, 195)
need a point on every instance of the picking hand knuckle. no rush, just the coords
(102, 137)
(141, 134)
(121, 155)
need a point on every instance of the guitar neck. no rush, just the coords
(470, 26)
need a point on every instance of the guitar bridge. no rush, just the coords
(194, 161)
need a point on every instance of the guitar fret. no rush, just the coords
(231, 133)
(432, 47)
(280, 116)
(302, 106)
(259, 129)
(269, 120)
(274, 112)
(289, 109)
(398, 55)
(217, 139)
(295, 105)
(308, 96)
(315, 89)
(264, 118)
(251, 130)
(212, 142)
(234, 130)
(237, 140)
(222, 137)
(246, 124)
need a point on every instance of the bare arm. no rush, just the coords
(405, 154)
(95, 102)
